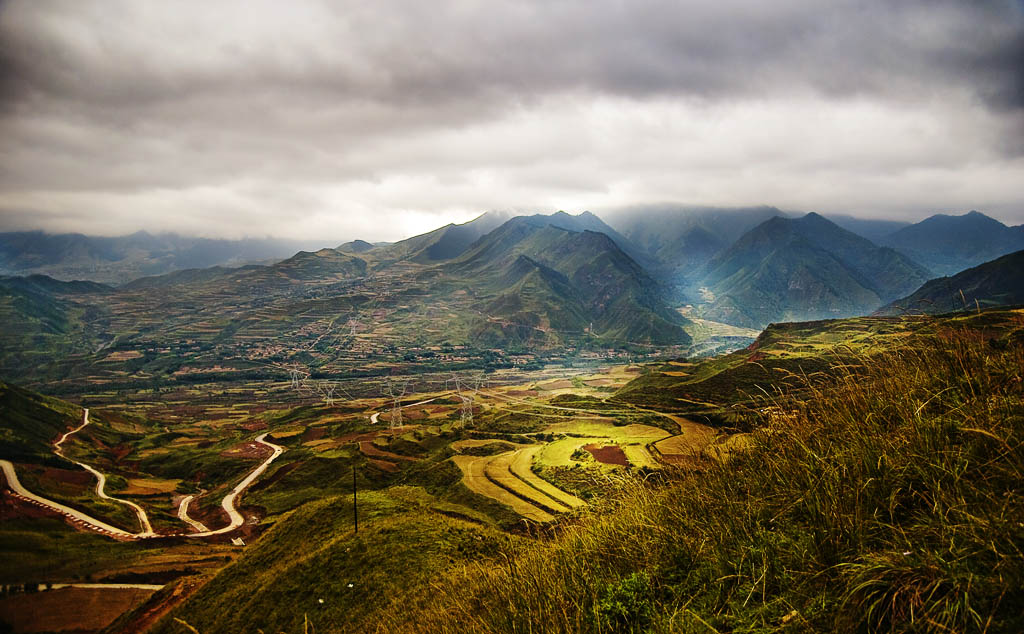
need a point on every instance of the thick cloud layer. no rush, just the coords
(378, 120)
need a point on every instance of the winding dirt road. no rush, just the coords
(183, 515)
(76, 516)
(228, 504)
(101, 480)
(87, 521)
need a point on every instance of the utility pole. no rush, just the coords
(355, 505)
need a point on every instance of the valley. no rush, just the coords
(193, 442)
(510, 450)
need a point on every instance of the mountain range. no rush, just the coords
(682, 239)
(116, 260)
(788, 269)
(949, 244)
(545, 275)
(538, 281)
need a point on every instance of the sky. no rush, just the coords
(380, 120)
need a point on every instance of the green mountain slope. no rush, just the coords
(30, 422)
(575, 279)
(996, 283)
(880, 493)
(800, 269)
(356, 246)
(45, 320)
(587, 221)
(444, 243)
(312, 568)
(880, 499)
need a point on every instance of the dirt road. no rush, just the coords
(101, 480)
(228, 504)
(75, 515)
(87, 521)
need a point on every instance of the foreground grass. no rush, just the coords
(311, 567)
(890, 499)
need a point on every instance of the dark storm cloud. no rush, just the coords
(414, 53)
(412, 107)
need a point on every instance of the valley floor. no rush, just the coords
(589, 482)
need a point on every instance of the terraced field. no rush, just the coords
(499, 470)
(508, 478)
(475, 478)
(471, 443)
(521, 468)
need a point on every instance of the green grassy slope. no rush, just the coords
(312, 565)
(783, 350)
(30, 422)
(886, 500)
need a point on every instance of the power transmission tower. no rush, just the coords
(330, 391)
(296, 375)
(467, 388)
(395, 390)
(327, 390)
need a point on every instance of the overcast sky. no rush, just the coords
(379, 120)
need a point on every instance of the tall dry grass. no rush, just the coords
(888, 498)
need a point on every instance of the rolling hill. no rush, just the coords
(31, 422)
(45, 319)
(996, 283)
(846, 489)
(304, 266)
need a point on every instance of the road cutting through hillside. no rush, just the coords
(87, 521)
(101, 480)
(76, 516)
(228, 504)
(183, 515)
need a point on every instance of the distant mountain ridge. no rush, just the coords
(949, 244)
(548, 276)
(444, 243)
(805, 268)
(117, 260)
(545, 273)
(996, 283)
(304, 266)
(874, 229)
(683, 239)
